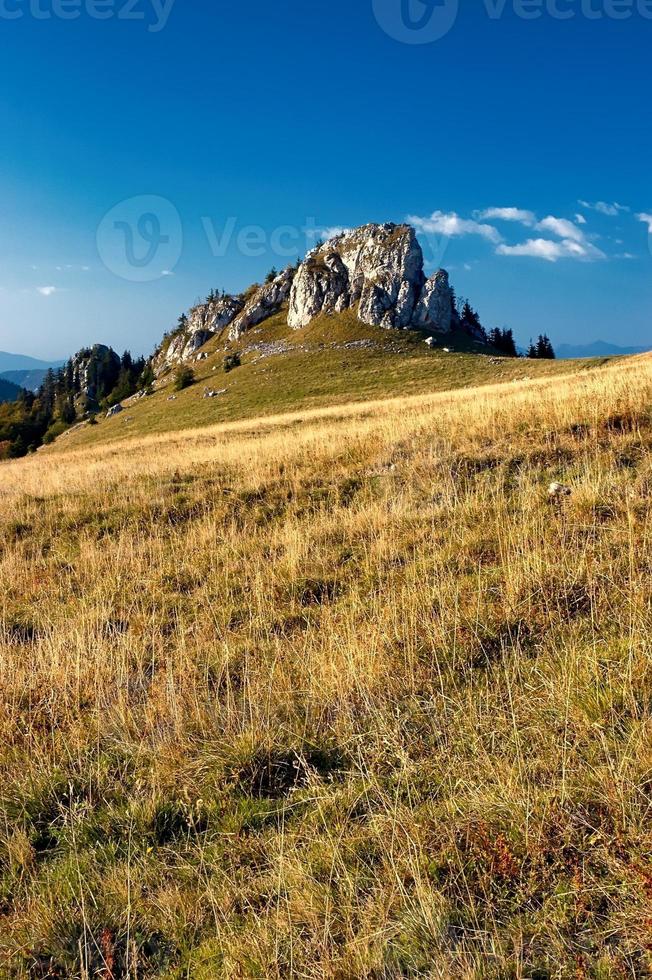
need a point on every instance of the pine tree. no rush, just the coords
(503, 341)
(470, 322)
(544, 349)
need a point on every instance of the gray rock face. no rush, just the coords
(378, 266)
(434, 311)
(265, 302)
(203, 322)
(95, 367)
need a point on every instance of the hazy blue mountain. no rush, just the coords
(32, 380)
(599, 348)
(20, 362)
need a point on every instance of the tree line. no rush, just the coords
(501, 340)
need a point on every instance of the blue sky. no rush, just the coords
(214, 134)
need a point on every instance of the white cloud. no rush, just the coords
(561, 227)
(507, 214)
(46, 290)
(167, 272)
(556, 226)
(543, 248)
(452, 226)
(647, 220)
(602, 207)
(580, 219)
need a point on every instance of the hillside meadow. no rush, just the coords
(335, 694)
(334, 360)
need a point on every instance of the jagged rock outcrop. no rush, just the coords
(95, 371)
(435, 308)
(238, 313)
(265, 302)
(202, 323)
(379, 267)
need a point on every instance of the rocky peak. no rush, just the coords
(379, 267)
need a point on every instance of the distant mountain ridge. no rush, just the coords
(21, 362)
(31, 380)
(598, 348)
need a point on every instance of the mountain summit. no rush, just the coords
(377, 269)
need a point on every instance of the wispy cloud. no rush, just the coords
(559, 238)
(603, 207)
(167, 272)
(47, 290)
(520, 215)
(544, 248)
(453, 226)
(561, 227)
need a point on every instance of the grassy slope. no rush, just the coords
(313, 370)
(340, 699)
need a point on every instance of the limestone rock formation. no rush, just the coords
(378, 266)
(265, 302)
(95, 371)
(376, 269)
(435, 308)
(202, 323)
(238, 313)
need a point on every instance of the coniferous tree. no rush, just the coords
(542, 350)
(545, 348)
(470, 322)
(503, 341)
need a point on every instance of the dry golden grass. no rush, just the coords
(335, 695)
